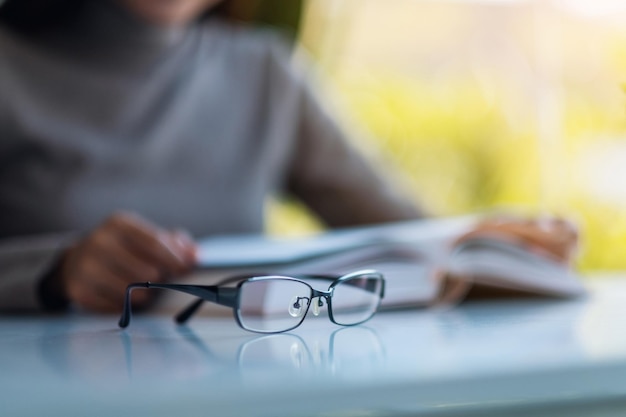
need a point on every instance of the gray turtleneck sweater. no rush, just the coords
(189, 128)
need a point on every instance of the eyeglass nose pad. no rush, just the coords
(296, 306)
(317, 305)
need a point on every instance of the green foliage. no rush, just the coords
(482, 135)
(455, 146)
(462, 153)
(282, 14)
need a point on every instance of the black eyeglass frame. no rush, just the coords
(231, 296)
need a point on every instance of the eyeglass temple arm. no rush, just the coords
(190, 310)
(212, 293)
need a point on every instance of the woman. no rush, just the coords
(123, 122)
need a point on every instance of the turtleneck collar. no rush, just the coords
(104, 29)
(108, 21)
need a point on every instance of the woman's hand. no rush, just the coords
(553, 237)
(124, 249)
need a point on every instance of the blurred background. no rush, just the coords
(481, 105)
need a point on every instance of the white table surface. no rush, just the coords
(514, 358)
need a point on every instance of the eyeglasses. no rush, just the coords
(276, 304)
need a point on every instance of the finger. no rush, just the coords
(109, 297)
(93, 297)
(150, 242)
(187, 245)
(528, 233)
(544, 238)
(130, 266)
(99, 301)
(108, 249)
(96, 287)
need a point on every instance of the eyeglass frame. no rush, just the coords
(231, 296)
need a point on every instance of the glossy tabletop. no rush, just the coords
(516, 357)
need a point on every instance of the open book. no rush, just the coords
(415, 257)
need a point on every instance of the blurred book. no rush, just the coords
(419, 259)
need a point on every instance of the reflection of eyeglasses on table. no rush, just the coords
(275, 304)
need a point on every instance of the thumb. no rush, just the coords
(184, 243)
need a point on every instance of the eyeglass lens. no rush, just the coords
(356, 299)
(273, 305)
(278, 304)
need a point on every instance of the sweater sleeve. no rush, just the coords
(332, 177)
(24, 262)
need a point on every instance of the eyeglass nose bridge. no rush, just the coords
(316, 300)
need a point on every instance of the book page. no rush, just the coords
(489, 261)
(227, 252)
